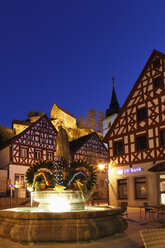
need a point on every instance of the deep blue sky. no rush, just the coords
(66, 51)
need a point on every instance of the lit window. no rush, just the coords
(23, 152)
(158, 81)
(118, 148)
(141, 142)
(36, 138)
(37, 154)
(162, 137)
(19, 180)
(122, 188)
(140, 188)
(142, 114)
(50, 156)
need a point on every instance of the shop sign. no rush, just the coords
(131, 170)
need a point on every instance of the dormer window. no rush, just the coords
(158, 81)
(142, 114)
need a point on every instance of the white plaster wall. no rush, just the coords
(152, 186)
(105, 123)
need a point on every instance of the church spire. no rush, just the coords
(114, 106)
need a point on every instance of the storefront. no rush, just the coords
(137, 184)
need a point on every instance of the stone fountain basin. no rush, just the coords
(28, 225)
(49, 199)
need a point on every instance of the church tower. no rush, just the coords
(111, 112)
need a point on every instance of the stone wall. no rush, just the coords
(3, 181)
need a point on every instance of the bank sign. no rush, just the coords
(131, 170)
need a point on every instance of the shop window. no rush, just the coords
(158, 81)
(140, 188)
(50, 156)
(141, 142)
(162, 137)
(23, 152)
(122, 189)
(142, 114)
(37, 155)
(118, 148)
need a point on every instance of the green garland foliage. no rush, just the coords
(33, 169)
(88, 169)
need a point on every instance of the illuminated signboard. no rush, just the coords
(131, 170)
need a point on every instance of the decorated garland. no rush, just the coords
(80, 172)
(44, 176)
(46, 167)
(87, 169)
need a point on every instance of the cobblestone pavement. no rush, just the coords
(130, 238)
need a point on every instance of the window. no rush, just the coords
(142, 114)
(23, 152)
(44, 124)
(19, 180)
(158, 81)
(162, 189)
(118, 148)
(50, 141)
(37, 154)
(50, 156)
(36, 138)
(140, 188)
(141, 142)
(162, 137)
(156, 63)
(97, 186)
(122, 188)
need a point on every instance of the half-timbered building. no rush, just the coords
(91, 148)
(36, 142)
(136, 140)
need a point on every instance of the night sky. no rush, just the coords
(66, 52)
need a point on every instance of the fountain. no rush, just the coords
(61, 192)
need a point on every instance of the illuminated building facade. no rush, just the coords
(92, 149)
(136, 140)
(36, 142)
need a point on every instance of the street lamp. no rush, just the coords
(102, 167)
